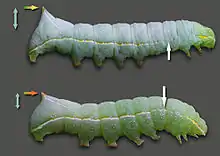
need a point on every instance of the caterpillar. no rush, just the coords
(118, 41)
(111, 120)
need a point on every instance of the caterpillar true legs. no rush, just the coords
(111, 120)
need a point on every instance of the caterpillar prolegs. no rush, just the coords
(111, 120)
(118, 41)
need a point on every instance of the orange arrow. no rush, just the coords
(32, 93)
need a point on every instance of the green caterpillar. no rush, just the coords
(117, 41)
(111, 120)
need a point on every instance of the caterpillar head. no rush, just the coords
(205, 36)
(198, 127)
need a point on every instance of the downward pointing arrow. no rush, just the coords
(15, 13)
(164, 98)
(17, 101)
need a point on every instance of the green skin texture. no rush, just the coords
(201, 36)
(111, 120)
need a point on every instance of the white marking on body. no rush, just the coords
(127, 116)
(89, 119)
(142, 113)
(61, 118)
(96, 42)
(86, 119)
(110, 118)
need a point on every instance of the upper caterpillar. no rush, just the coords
(128, 117)
(118, 41)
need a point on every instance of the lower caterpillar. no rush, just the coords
(117, 41)
(111, 120)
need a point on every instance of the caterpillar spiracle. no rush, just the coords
(118, 41)
(111, 120)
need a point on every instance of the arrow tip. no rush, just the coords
(33, 7)
(33, 93)
(15, 26)
(15, 10)
(164, 99)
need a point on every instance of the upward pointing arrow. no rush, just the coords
(17, 101)
(168, 52)
(15, 13)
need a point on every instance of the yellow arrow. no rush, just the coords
(32, 7)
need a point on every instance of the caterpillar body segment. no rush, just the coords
(111, 120)
(118, 41)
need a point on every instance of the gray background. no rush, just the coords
(195, 81)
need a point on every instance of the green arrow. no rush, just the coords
(15, 24)
(17, 101)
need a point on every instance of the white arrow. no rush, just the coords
(164, 98)
(15, 24)
(168, 52)
(17, 101)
